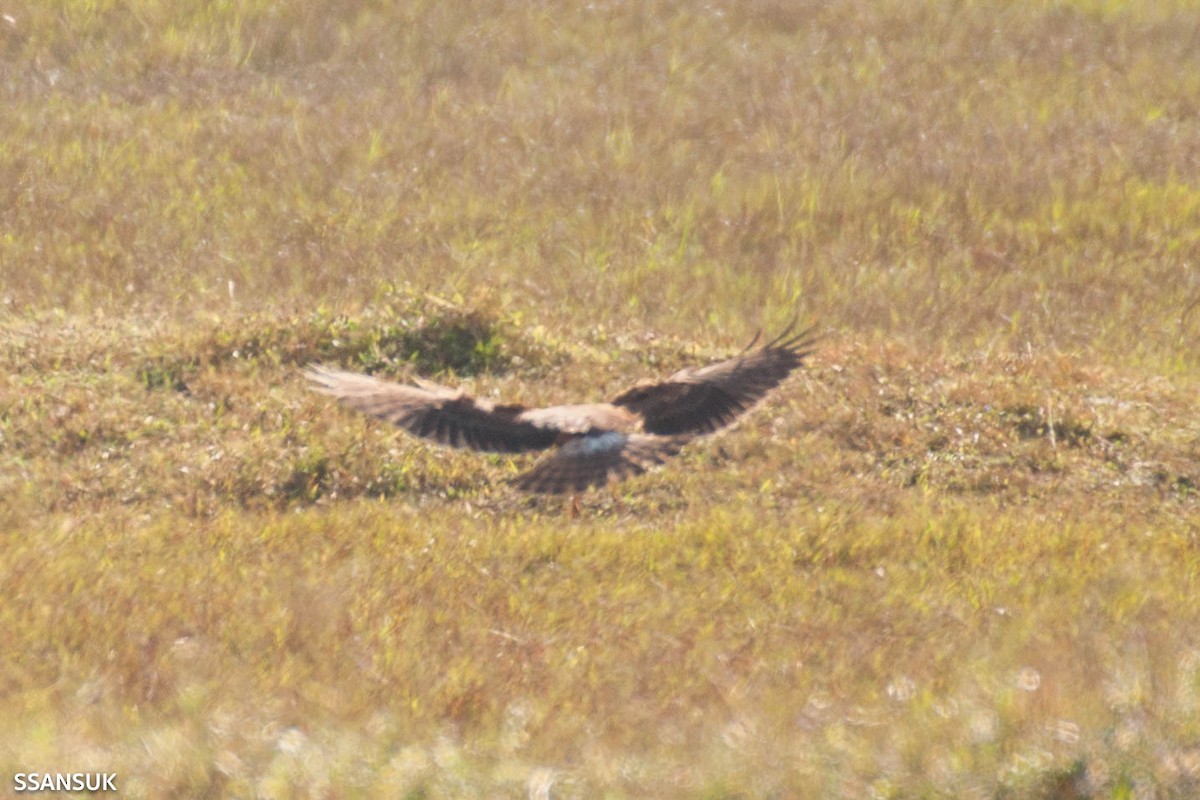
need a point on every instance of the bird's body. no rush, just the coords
(584, 417)
(593, 444)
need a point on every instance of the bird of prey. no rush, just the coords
(592, 444)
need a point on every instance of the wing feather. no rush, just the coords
(436, 412)
(700, 401)
(597, 459)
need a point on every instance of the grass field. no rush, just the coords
(958, 556)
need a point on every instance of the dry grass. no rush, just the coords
(956, 557)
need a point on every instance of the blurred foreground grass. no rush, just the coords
(956, 557)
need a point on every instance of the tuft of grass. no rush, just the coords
(404, 330)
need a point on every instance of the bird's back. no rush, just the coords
(584, 418)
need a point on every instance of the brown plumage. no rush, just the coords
(595, 443)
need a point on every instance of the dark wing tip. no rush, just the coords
(750, 345)
(792, 339)
(791, 347)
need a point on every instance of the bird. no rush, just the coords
(590, 444)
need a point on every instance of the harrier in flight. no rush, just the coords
(593, 444)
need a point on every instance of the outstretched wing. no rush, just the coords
(702, 400)
(436, 412)
(597, 459)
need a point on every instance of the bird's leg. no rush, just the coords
(571, 506)
(616, 496)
